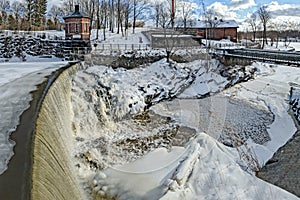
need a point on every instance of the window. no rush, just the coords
(85, 28)
(76, 28)
(68, 28)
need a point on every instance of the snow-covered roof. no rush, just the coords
(219, 23)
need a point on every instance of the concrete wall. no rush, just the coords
(160, 40)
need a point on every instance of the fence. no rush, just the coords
(119, 47)
(264, 55)
(54, 35)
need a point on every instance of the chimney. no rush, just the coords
(76, 8)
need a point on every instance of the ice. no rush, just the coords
(271, 92)
(16, 82)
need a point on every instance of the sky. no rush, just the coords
(240, 10)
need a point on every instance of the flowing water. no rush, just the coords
(53, 175)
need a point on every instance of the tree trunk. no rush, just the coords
(134, 16)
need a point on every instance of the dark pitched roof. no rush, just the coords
(76, 14)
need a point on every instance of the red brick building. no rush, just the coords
(215, 29)
(77, 25)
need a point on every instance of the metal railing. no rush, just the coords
(264, 55)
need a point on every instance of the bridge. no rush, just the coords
(281, 57)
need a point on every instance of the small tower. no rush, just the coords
(77, 25)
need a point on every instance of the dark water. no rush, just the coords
(283, 169)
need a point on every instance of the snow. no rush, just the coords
(279, 48)
(295, 45)
(205, 170)
(270, 92)
(200, 168)
(128, 38)
(216, 175)
(16, 82)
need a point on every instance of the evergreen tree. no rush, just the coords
(39, 11)
(12, 25)
(36, 10)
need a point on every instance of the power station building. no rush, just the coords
(77, 26)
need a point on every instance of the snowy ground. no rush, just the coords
(16, 82)
(119, 151)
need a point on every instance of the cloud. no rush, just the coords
(277, 9)
(241, 4)
(222, 10)
(50, 3)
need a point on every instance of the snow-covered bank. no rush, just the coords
(270, 92)
(205, 170)
(16, 82)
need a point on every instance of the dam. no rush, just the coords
(52, 169)
(46, 170)
(85, 146)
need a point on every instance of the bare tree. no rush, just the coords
(98, 18)
(212, 23)
(186, 10)
(18, 9)
(119, 19)
(139, 6)
(127, 11)
(254, 23)
(56, 12)
(265, 17)
(164, 16)
(156, 12)
(276, 26)
(287, 28)
(68, 5)
(104, 16)
(111, 15)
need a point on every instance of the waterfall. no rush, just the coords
(53, 173)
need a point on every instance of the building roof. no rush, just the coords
(76, 14)
(216, 24)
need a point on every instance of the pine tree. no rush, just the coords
(36, 10)
(39, 11)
